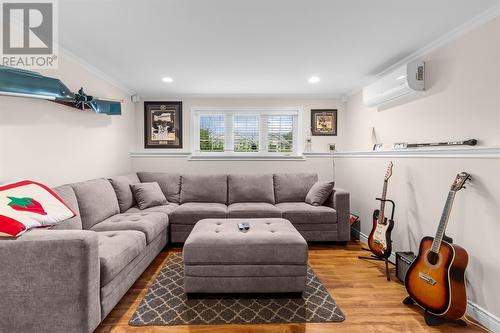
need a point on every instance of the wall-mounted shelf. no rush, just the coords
(465, 152)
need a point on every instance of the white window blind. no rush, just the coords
(212, 133)
(280, 136)
(246, 133)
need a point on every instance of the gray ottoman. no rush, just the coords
(271, 257)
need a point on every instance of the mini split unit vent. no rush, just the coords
(404, 81)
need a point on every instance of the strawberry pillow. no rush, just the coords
(26, 204)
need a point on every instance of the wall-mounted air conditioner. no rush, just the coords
(404, 81)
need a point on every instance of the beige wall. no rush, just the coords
(462, 103)
(319, 144)
(55, 144)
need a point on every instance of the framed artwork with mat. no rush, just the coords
(162, 124)
(324, 122)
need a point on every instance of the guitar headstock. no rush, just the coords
(460, 181)
(388, 173)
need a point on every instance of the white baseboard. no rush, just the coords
(474, 311)
(485, 318)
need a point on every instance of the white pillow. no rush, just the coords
(27, 204)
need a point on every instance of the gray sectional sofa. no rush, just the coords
(192, 198)
(68, 278)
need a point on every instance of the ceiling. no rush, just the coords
(253, 47)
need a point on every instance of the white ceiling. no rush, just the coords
(254, 47)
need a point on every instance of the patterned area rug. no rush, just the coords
(166, 304)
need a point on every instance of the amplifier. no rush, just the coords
(403, 262)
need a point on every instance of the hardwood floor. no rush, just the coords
(370, 303)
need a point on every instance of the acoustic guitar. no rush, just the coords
(435, 280)
(379, 240)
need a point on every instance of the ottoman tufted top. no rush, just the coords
(272, 241)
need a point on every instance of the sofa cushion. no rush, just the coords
(250, 188)
(121, 185)
(166, 209)
(97, 201)
(252, 210)
(293, 187)
(116, 250)
(205, 188)
(319, 193)
(148, 195)
(303, 213)
(66, 193)
(170, 183)
(192, 212)
(151, 224)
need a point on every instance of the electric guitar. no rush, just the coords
(379, 241)
(435, 280)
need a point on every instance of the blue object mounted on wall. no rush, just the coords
(22, 83)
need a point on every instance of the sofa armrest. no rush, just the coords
(339, 201)
(50, 282)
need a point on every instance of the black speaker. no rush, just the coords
(403, 262)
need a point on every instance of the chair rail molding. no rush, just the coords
(469, 152)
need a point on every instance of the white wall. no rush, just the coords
(462, 103)
(182, 164)
(56, 144)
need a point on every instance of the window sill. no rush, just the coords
(216, 156)
(247, 157)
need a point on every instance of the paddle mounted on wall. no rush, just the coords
(22, 83)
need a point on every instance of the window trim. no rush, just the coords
(295, 111)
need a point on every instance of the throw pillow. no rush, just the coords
(27, 204)
(148, 195)
(121, 185)
(319, 193)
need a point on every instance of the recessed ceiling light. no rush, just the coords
(314, 79)
(167, 79)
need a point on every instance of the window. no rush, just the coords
(212, 133)
(280, 134)
(245, 131)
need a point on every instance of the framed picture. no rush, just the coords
(162, 124)
(324, 122)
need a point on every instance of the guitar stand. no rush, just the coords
(374, 257)
(432, 319)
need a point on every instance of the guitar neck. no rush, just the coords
(382, 202)
(443, 222)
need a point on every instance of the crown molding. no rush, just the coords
(94, 70)
(445, 39)
(322, 96)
